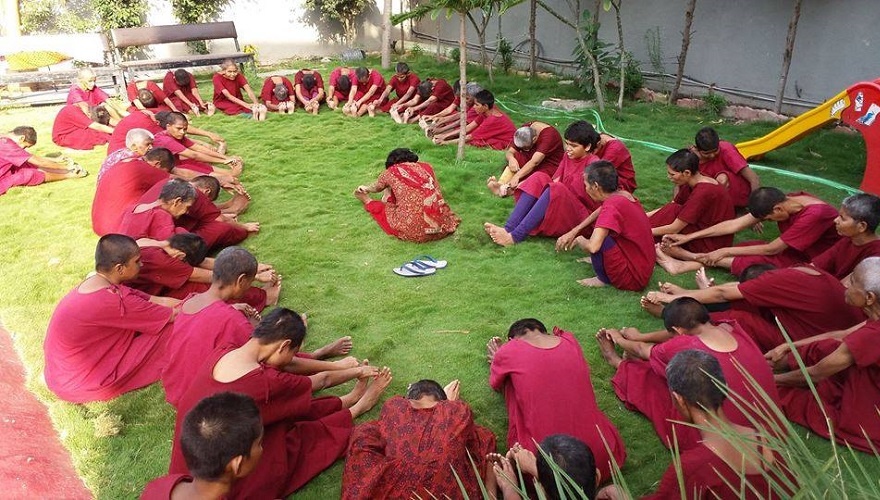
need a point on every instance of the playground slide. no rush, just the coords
(857, 106)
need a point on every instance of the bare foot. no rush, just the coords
(702, 279)
(452, 389)
(339, 347)
(364, 197)
(653, 308)
(606, 348)
(267, 275)
(347, 362)
(371, 395)
(357, 392)
(593, 282)
(586, 260)
(671, 288)
(671, 265)
(498, 234)
(492, 347)
(273, 292)
(494, 186)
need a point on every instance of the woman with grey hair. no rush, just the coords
(137, 142)
(537, 147)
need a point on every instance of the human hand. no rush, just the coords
(248, 311)
(777, 357)
(347, 362)
(505, 476)
(670, 288)
(610, 492)
(492, 347)
(174, 253)
(659, 297)
(566, 242)
(452, 389)
(758, 227)
(674, 240)
(712, 258)
(366, 370)
(267, 276)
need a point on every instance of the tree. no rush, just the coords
(386, 35)
(487, 9)
(344, 12)
(533, 40)
(786, 57)
(685, 43)
(623, 56)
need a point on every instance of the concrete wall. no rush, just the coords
(737, 44)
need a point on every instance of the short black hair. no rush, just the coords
(486, 98)
(583, 133)
(176, 117)
(401, 155)
(684, 312)
(192, 245)
(684, 159)
(281, 324)
(113, 249)
(182, 77)
(177, 188)
(425, 87)
(212, 184)
(164, 156)
(602, 173)
(402, 67)
(863, 207)
(100, 114)
(690, 374)
(762, 201)
(29, 133)
(146, 98)
(754, 271)
(706, 139)
(426, 387)
(343, 83)
(362, 73)
(571, 455)
(163, 118)
(520, 327)
(216, 430)
(231, 263)
(309, 81)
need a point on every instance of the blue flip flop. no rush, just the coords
(414, 269)
(427, 260)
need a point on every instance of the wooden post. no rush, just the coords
(462, 84)
(786, 57)
(386, 35)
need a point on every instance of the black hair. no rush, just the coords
(571, 455)
(863, 207)
(706, 139)
(182, 77)
(582, 132)
(401, 155)
(281, 324)
(402, 67)
(164, 156)
(486, 98)
(424, 89)
(100, 115)
(176, 117)
(210, 183)
(343, 83)
(520, 327)
(177, 188)
(361, 73)
(146, 98)
(29, 133)
(456, 87)
(163, 118)
(690, 374)
(762, 201)
(309, 81)
(280, 92)
(754, 271)
(684, 312)
(425, 387)
(602, 173)
(192, 245)
(218, 429)
(684, 159)
(114, 249)
(231, 263)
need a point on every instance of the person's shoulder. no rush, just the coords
(162, 487)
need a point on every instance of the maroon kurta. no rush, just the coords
(444, 94)
(105, 343)
(548, 143)
(155, 223)
(400, 88)
(169, 84)
(703, 206)
(93, 97)
(494, 132)
(617, 153)
(307, 94)
(629, 263)
(14, 167)
(134, 120)
(267, 94)
(177, 146)
(375, 78)
(412, 451)
(161, 487)
(548, 391)
(71, 130)
(729, 161)
(234, 87)
(119, 189)
(844, 256)
(132, 90)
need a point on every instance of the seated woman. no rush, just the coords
(416, 445)
(448, 120)
(537, 147)
(147, 95)
(435, 95)
(85, 95)
(228, 84)
(366, 88)
(72, 129)
(190, 155)
(413, 208)
(341, 80)
(20, 168)
(277, 95)
(309, 89)
(494, 129)
(404, 83)
(180, 86)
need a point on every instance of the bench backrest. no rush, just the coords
(149, 35)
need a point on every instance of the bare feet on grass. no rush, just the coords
(593, 282)
(651, 307)
(498, 234)
(339, 347)
(669, 264)
(606, 348)
(497, 188)
(273, 292)
(371, 395)
(670, 288)
(703, 280)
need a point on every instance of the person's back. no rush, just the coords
(134, 120)
(119, 190)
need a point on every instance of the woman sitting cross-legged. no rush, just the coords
(412, 206)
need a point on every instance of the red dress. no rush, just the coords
(548, 143)
(844, 256)
(267, 94)
(548, 391)
(412, 451)
(177, 146)
(375, 79)
(14, 167)
(71, 130)
(334, 82)
(302, 435)
(729, 161)
(850, 397)
(159, 96)
(155, 223)
(234, 87)
(494, 132)
(169, 84)
(444, 94)
(630, 262)
(703, 206)
(105, 343)
(642, 385)
(119, 190)
(93, 97)
(617, 153)
(161, 487)
(400, 87)
(133, 120)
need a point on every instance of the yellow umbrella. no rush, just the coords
(33, 60)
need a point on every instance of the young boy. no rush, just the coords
(404, 83)
(723, 162)
(222, 442)
(494, 128)
(20, 168)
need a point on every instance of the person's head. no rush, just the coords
(484, 100)
(234, 268)
(343, 83)
(284, 330)
(209, 186)
(695, 380)
(177, 196)
(426, 388)
(754, 271)
(401, 71)
(580, 138)
(309, 82)
(139, 140)
(100, 114)
(425, 87)
(192, 245)
(182, 78)
(571, 455)
(162, 118)
(471, 89)
(864, 288)
(681, 166)
(859, 213)
(401, 155)
(25, 136)
(222, 436)
(176, 125)
(362, 74)
(86, 78)
(600, 177)
(706, 143)
(118, 255)
(228, 69)
(146, 98)
(765, 203)
(524, 326)
(524, 138)
(280, 92)
(160, 158)
(684, 314)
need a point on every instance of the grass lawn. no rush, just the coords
(301, 171)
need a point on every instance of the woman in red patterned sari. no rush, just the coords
(412, 206)
(415, 445)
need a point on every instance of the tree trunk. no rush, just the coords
(439, 52)
(594, 66)
(386, 35)
(402, 32)
(462, 82)
(786, 57)
(12, 18)
(533, 42)
(685, 43)
(623, 55)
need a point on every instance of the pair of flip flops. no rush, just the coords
(423, 265)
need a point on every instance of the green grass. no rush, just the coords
(301, 171)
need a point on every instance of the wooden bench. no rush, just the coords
(124, 38)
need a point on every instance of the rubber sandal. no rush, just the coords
(427, 260)
(413, 270)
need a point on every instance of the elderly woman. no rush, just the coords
(412, 207)
(414, 447)
(137, 142)
(537, 147)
